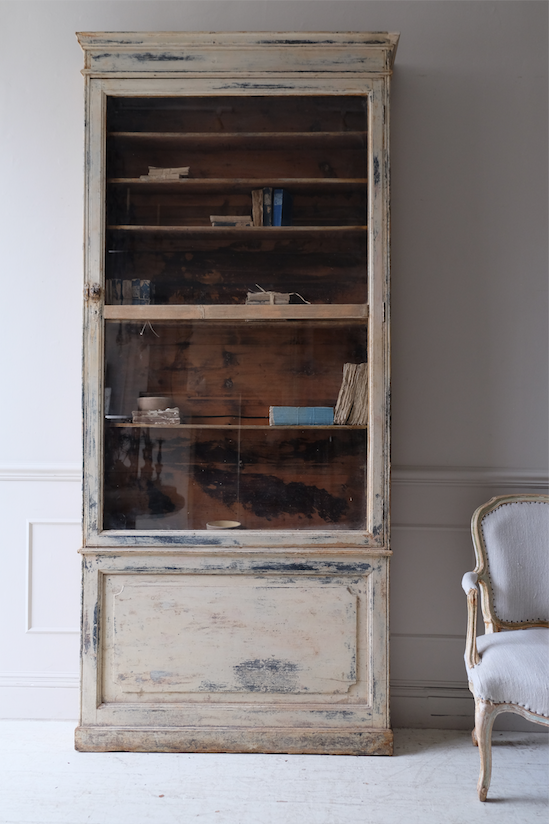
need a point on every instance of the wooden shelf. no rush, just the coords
(260, 231)
(343, 311)
(228, 426)
(214, 184)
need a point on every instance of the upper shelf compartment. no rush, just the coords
(238, 152)
(234, 137)
(238, 115)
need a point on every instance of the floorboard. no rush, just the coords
(431, 778)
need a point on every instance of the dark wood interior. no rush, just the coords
(224, 461)
(314, 147)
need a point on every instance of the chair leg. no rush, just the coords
(485, 715)
(474, 732)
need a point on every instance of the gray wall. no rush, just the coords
(469, 310)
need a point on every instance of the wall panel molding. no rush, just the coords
(41, 472)
(469, 476)
(48, 587)
(59, 680)
(451, 475)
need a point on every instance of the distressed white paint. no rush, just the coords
(242, 637)
(203, 634)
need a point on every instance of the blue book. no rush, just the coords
(301, 415)
(282, 207)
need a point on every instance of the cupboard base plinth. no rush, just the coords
(218, 740)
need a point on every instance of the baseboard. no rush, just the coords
(44, 696)
(444, 705)
(414, 704)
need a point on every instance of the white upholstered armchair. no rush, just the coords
(508, 667)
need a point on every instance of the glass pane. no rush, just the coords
(218, 452)
(189, 183)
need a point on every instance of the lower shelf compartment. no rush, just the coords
(262, 477)
(224, 739)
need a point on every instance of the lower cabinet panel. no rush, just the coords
(234, 654)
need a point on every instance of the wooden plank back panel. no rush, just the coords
(236, 114)
(277, 479)
(207, 368)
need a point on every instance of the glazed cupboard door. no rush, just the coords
(236, 363)
(236, 291)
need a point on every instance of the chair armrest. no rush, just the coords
(469, 582)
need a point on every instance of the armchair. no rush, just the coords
(508, 666)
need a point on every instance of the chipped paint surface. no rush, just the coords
(256, 641)
(247, 634)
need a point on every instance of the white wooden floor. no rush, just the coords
(431, 778)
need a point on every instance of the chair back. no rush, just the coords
(511, 541)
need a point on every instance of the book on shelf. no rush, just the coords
(134, 292)
(230, 220)
(271, 207)
(267, 206)
(113, 291)
(301, 415)
(282, 207)
(170, 173)
(127, 292)
(257, 207)
(352, 402)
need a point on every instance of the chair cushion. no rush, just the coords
(514, 669)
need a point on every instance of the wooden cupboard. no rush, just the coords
(236, 533)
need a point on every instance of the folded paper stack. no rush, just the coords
(155, 417)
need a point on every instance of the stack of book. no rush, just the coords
(135, 292)
(352, 402)
(157, 173)
(157, 417)
(264, 298)
(239, 221)
(271, 207)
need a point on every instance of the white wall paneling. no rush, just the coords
(469, 299)
(39, 619)
(53, 576)
(431, 512)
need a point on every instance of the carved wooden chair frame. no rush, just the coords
(487, 711)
